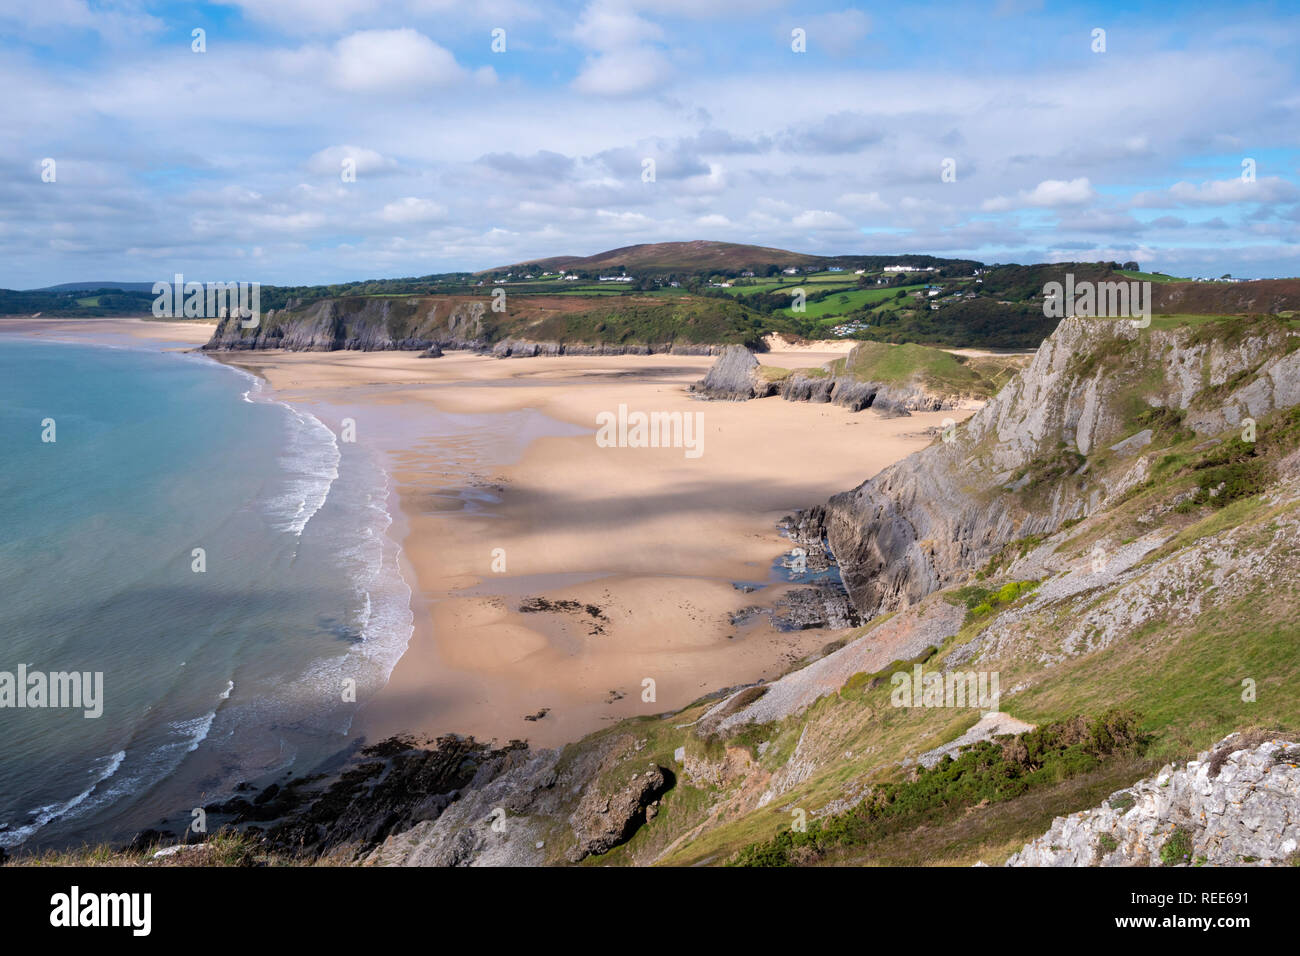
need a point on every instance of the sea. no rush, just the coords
(223, 559)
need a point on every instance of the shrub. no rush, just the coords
(1177, 848)
(985, 772)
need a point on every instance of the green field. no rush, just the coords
(1152, 276)
(846, 302)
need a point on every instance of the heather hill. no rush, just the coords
(724, 258)
(671, 256)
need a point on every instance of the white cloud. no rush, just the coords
(412, 209)
(863, 202)
(1221, 192)
(820, 219)
(626, 59)
(1049, 193)
(378, 60)
(113, 22)
(623, 73)
(329, 161)
(608, 26)
(713, 221)
(840, 33)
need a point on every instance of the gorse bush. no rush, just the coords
(986, 772)
(981, 601)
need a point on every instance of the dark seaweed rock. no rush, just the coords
(398, 786)
(825, 605)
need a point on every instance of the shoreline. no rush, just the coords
(618, 565)
(383, 610)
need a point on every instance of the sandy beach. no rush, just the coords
(632, 554)
(624, 560)
(187, 334)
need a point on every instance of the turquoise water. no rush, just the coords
(210, 678)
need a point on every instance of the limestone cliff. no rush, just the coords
(364, 323)
(1057, 443)
(530, 325)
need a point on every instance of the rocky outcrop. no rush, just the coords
(735, 376)
(1236, 804)
(503, 819)
(535, 808)
(848, 392)
(738, 376)
(385, 789)
(608, 815)
(823, 605)
(1021, 465)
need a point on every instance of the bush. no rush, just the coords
(985, 772)
(981, 601)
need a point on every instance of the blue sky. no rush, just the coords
(229, 163)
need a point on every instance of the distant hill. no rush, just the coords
(97, 286)
(1218, 298)
(674, 256)
(702, 255)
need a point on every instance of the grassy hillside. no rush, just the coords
(937, 370)
(642, 319)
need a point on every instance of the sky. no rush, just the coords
(312, 141)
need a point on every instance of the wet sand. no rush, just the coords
(507, 500)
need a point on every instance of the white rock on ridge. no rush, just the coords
(1238, 804)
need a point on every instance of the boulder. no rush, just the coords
(609, 816)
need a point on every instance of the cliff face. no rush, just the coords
(530, 325)
(1056, 444)
(368, 324)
